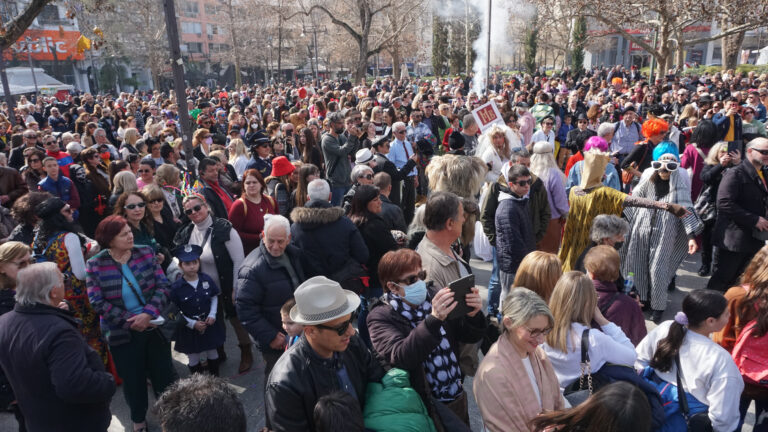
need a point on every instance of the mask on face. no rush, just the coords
(618, 245)
(169, 139)
(209, 140)
(254, 126)
(416, 292)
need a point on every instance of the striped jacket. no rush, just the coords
(105, 290)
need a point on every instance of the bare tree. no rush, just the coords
(13, 29)
(366, 26)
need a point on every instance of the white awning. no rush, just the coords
(20, 81)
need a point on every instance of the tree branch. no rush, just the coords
(620, 30)
(357, 36)
(737, 29)
(16, 27)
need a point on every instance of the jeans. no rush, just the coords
(761, 411)
(494, 287)
(337, 195)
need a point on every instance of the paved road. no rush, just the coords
(249, 386)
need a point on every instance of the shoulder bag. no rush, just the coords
(698, 422)
(579, 391)
(171, 313)
(626, 176)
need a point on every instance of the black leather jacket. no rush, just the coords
(301, 377)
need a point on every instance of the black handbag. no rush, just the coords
(352, 276)
(705, 205)
(171, 313)
(698, 422)
(579, 391)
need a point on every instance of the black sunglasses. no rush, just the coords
(194, 209)
(133, 206)
(761, 151)
(340, 329)
(523, 183)
(156, 200)
(34, 160)
(421, 275)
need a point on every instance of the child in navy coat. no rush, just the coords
(196, 295)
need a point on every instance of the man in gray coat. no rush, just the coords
(336, 151)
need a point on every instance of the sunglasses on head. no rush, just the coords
(668, 165)
(340, 329)
(134, 206)
(194, 209)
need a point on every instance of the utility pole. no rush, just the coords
(488, 57)
(179, 86)
(7, 91)
(31, 68)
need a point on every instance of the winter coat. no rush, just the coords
(379, 240)
(263, 286)
(741, 199)
(397, 344)
(538, 208)
(393, 405)
(59, 381)
(514, 232)
(622, 310)
(300, 377)
(326, 238)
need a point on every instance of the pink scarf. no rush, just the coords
(504, 392)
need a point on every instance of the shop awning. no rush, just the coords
(20, 81)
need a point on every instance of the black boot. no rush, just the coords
(672, 284)
(196, 369)
(656, 315)
(222, 353)
(213, 367)
(704, 270)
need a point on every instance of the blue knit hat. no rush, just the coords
(665, 147)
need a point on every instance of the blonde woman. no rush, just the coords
(539, 272)
(238, 157)
(516, 381)
(124, 181)
(574, 306)
(129, 143)
(543, 166)
(496, 150)
(201, 141)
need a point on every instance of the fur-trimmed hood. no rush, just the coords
(316, 213)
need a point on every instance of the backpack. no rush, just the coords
(751, 355)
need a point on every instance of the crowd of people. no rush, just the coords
(331, 225)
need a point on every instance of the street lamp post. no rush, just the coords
(31, 68)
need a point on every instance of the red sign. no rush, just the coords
(45, 45)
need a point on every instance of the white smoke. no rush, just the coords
(503, 14)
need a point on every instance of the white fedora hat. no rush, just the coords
(319, 300)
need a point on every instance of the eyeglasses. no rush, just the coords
(30, 136)
(194, 209)
(748, 112)
(134, 206)
(547, 123)
(156, 201)
(412, 279)
(34, 160)
(668, 165)
(340, 329)
(523, 183)
(142, 171)
(368, 176)
(400, 131)
(537, 332)
(763, 152)
(49, 143)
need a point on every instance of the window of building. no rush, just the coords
(213, 29)
(212, 9)
(189, 9)
(49, 15)
(217, 48)
(194, 47)
(192, 28)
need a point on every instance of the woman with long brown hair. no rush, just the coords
(307, 173)
(310, 152)
(747, 302)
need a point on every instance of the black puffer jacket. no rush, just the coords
(59, 380)
(326, 238)
(301, 377)
(263, 287)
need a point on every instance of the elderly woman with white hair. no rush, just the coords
(361, 175)
(59, 381)
(516, 381)
(658, 242)
(266, 280)
(544, 166)
(495, 148)
(609, 230)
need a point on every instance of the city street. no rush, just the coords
(250, 385)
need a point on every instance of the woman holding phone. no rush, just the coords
(410, 328)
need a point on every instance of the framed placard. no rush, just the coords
(487, 115)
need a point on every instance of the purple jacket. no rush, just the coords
(558, 200)
(105, 290)
(624, 311)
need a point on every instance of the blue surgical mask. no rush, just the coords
(416, 292)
